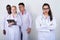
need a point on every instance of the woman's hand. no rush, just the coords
(10, 24)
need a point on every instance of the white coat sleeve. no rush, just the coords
(30, 21)
(53, 24)
(3, 24)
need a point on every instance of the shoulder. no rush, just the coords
(38, 18)
(27, 12)
(8, 16)
(18, 13)
(54, 18)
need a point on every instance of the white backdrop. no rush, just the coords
(34, 7)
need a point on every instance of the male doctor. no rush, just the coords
(26, 21)
(8, 8)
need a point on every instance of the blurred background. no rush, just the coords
(35, 8)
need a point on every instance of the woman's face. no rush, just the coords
(45, 9)
(13, 10)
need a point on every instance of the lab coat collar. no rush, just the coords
(45, 17)
(24, 12)
(15, 16)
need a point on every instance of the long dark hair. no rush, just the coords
(49, 13)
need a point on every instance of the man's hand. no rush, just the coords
(4, 32)
(28, 30)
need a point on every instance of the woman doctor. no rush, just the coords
(46, 24)
(12, 31)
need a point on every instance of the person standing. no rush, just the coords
(8, 8)
(26, 21)
(46, 24)
(12, 24)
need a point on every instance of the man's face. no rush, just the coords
(21, 8)
(8, 9)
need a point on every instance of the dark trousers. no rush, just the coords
(21, 36)
(21, 33)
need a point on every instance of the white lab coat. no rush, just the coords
(27, 21)
(13, 32)
(44, 26)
